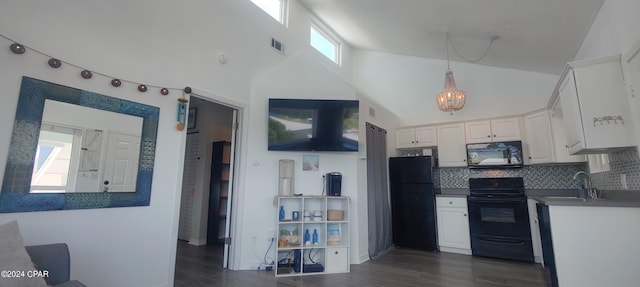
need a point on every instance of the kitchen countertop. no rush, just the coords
(452, 192)
(565, 197)
(463, 192)
(609, 198)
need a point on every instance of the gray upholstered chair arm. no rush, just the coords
(53, 258)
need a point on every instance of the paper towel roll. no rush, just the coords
(285, 186)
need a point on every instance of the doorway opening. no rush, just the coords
(204, 228)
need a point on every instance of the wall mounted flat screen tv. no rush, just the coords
(313, 125)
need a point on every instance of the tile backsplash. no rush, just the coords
(535, 176)
(621, 162)
(559, 176)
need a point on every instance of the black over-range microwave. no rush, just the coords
(506, 154)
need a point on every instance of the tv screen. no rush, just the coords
(313, 125)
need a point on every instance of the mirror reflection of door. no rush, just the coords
(121, 163)
(82, 149)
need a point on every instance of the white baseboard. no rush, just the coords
(363, 258)
(197, 242)
(455, 250)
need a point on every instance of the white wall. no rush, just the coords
(407, 86)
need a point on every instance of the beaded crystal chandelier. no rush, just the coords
(451, 99)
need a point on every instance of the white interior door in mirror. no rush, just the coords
(106, 147)
(121, 163)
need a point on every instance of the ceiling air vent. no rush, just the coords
(277, 45)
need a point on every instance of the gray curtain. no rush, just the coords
(379, 209)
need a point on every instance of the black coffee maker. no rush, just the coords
(333, 183)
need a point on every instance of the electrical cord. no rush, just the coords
(493, 38)
(267, 252)
(264, 258)
(314, 256)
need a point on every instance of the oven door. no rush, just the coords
(499, 227)
(501, 216)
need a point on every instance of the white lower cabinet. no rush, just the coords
(595, 246)
(453, 225)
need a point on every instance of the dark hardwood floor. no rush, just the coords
(198, 266)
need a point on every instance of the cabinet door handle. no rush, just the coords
(336, 253)
(450, 202)
(465, 215)
(488, 136)
(495, 136)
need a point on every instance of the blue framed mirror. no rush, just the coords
(74, 149)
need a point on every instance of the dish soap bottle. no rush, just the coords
(315, 236)
(281, 215)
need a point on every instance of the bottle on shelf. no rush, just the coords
(281, 216)
(315, 236)
(307, 237)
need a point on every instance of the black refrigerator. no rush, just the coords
(413, 203)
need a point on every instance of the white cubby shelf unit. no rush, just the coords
(328, 216)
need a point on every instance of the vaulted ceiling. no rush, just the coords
(540, 36)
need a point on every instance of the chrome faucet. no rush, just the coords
(591, 192)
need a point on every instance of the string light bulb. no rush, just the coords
(54, 63)
(17, 48)
(86, 74)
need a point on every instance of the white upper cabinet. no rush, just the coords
(505, 129)
(416, 137)
(560, 146)
(594, 105)
(545, 138)
(539, 141)
(452, 150)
